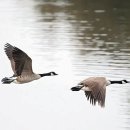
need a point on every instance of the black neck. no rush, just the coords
(116, 82)
(45, 74)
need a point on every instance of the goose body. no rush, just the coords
(26, 78)
(95, 88)
(21, 65)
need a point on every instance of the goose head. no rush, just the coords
(125, 81)
(53, 73)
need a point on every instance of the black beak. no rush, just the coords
(128, 81)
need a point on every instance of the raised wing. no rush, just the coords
(21, 62)
(8, 50)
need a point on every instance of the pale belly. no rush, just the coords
(26, 79)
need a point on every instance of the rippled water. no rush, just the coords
(77, 39)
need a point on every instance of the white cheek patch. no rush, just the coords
(52, 74)
(123, 82)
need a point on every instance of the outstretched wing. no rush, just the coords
(90, 97)
(97, 95)
(98, 90)
(21, 63)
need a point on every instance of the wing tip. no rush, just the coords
(93, 101)
(7, 45)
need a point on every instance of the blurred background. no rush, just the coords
(76, 39)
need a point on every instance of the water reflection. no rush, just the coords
(94, 30)
(77, 39)
(93, 21)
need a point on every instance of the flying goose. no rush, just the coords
(21, 65)
(95, 89)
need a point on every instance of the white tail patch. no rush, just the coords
(86, 89)
(16, 82)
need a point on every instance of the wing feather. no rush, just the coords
(98, 90)
(8, 50)
(21, 63)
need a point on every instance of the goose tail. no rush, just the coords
(7, 80)
(77, 88)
